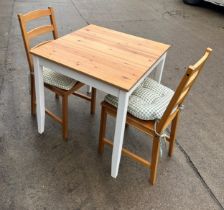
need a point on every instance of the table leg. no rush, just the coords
(89, 89)
(119, 132)
(39, 88)
(159, 69)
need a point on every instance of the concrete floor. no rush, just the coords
(44, 172)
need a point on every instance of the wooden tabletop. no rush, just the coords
(113, 57)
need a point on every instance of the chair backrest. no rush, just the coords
(182, 91)
(29, 35)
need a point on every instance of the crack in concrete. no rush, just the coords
(76, 8)
(195, 169)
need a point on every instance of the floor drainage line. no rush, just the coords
(199, 175)
(73, 3)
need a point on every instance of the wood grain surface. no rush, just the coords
(116, 58)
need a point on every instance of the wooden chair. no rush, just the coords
(155, 128)
(56, 85)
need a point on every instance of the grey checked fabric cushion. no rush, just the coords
(148, 101)
(57, 80)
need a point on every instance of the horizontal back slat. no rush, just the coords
(182, 91)
(191, 79)
(182, 96)
(44, 42)
(170, 118)
(28, 35)
(36, 14)
(39, 31)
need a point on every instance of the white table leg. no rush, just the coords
(159, 69)
(89, 89)
(39, 88)
(119, 132)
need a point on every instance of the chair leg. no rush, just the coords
(103, 122)
(93, 101)
(65, 116)
(173, 135)
(154, 160)
(33, 96)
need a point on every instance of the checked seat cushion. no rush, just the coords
(58, 80)
(148, 102)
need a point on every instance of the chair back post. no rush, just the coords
(182, 91)
(53, 22)
(25, 40)
(29, 35)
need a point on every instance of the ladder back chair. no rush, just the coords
(154, 127)
(59, 84)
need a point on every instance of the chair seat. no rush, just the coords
(57, 80)
(148, 102)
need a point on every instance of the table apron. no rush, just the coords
(95, 82)
(158, 63)
(79, 77)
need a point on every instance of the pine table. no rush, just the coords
(108, 60)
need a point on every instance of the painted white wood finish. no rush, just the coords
(158, 66)
(89, 89)
(119, 132)
(39, 88)
(91, 82)
(159, 69)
